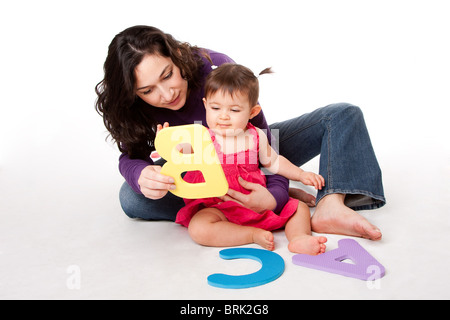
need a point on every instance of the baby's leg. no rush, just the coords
(210, 227)
(298, 232)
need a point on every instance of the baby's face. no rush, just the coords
(227, 114)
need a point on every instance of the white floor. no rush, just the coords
(73, 242)
(63, 234)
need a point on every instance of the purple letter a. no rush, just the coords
(363, 268)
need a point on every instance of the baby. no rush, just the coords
(231, 100)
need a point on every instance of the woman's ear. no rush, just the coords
(255, 111)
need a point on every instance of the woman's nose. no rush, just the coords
(166, 94)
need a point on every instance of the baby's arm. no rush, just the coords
(278, 164)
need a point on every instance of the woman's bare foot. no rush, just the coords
(264, 238)
(303, 196)
(333, 216)
(307, 244)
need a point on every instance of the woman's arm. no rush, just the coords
(131, 170)
(144, 177)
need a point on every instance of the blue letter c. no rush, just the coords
(272, 268)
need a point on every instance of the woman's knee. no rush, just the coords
(346, 108)
(346, 116)
(138, 206)
(127, 198)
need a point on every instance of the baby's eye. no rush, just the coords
(235, 110)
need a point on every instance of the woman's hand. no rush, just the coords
(159, 127)
(259, 199)
(153, 184)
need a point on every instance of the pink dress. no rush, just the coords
(244, 164)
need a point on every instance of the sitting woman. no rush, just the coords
(151, 78)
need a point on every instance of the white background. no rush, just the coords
(59, 180)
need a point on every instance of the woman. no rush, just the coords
(151, 78)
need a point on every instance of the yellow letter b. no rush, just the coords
(203, 158)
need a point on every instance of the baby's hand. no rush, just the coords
(312, 179)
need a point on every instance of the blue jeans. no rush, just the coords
(347, 161)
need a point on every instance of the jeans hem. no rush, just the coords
(368, 201)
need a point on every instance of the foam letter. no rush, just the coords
(272, 268)
(331, 261)
(203, 158)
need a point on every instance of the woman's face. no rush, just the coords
(159, 83)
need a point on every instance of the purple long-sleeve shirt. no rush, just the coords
(194, 111)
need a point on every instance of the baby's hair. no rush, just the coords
(266, 71)
(233, 78)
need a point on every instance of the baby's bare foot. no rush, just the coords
(307, 244)
(264, 238)
(303, 196)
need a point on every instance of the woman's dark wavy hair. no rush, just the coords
(128, 118)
